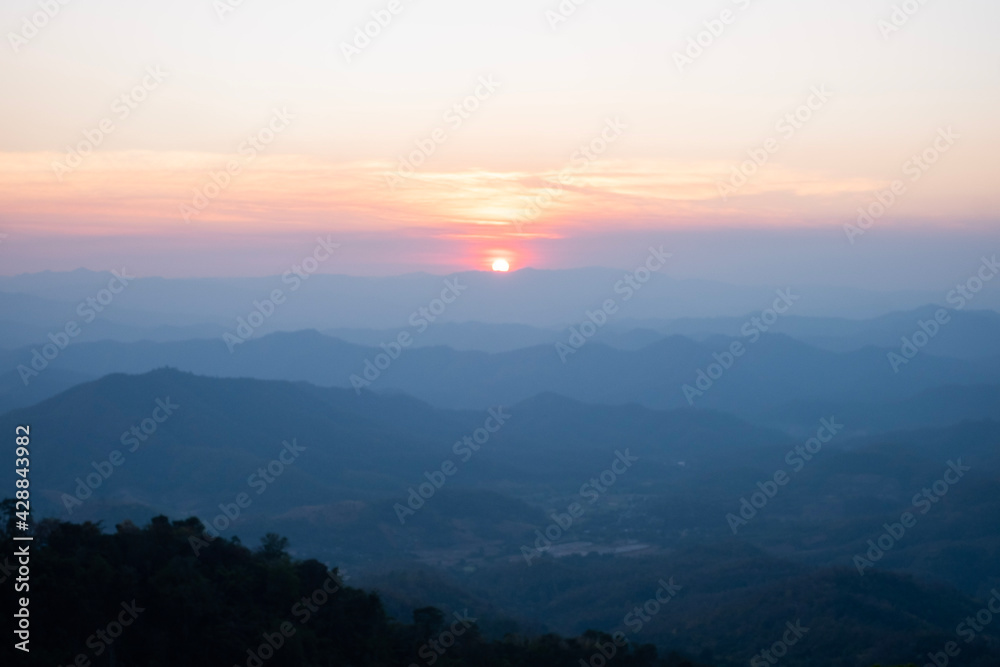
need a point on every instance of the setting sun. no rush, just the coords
(501, 265)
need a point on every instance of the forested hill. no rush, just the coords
(142, 597)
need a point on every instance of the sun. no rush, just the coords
(501, 265)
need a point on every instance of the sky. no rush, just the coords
(219, 137)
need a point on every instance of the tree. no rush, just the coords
(273, 547)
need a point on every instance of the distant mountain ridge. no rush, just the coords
(670, 373)
(221, 428)
(359, 455)
(532, 297)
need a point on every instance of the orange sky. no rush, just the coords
(582, 128)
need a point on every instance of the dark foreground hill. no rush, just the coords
(141, 597)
